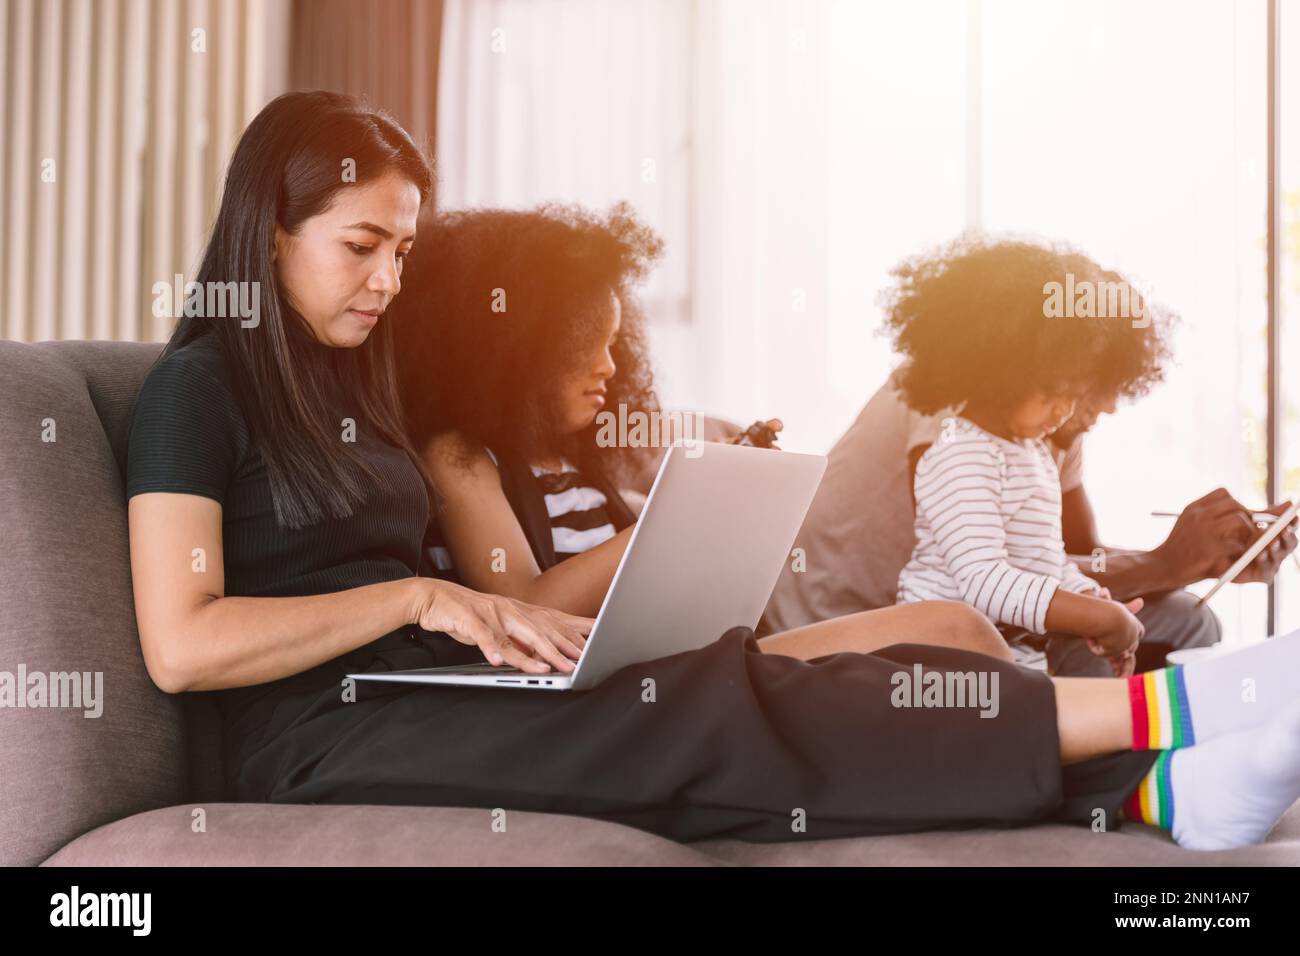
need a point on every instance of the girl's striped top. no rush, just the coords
(988, 528)
(579, 516)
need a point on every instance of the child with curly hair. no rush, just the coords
(980, 334)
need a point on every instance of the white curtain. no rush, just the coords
(119, 117)
(582, 101)
(738, 129)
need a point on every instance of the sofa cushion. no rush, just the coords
(269, 834)
(1052, 844)
(65, 602)
(266, 834)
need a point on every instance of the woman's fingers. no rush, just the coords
(511, 635)
(548, 634)
(516, 656)
(520, 627)
(561, 641)
(532, 638)
(583, 624)
(474, 622)
(574, 628)
(568, 640)
(580, 625)
(496, 648)
(577, 636)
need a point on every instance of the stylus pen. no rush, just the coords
(1259, 517)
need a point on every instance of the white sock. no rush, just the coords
(1244, 688)
(1230, 791)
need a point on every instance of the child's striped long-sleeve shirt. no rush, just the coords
(988, 528)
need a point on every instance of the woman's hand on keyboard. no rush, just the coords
(507, 631)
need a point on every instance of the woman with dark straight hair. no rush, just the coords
(276, 517)
(279, 371)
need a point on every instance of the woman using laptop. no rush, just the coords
(276, 515)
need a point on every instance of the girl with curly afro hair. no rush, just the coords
(1014, 336)
(515, 329)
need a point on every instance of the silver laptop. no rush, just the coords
(713, 537)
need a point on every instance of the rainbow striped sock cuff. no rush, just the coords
(1162, 717)
(1153, 800)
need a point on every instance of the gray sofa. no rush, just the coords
(140, 784)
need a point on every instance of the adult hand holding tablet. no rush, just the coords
(1263, 541)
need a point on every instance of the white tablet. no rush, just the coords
(1265, 539)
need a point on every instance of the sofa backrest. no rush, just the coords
(66, 605)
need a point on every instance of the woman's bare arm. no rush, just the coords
(195, 638)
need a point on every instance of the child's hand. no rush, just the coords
(760, 434)
(1117, 635)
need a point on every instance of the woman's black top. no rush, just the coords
(189, 436)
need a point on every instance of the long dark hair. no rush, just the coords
(287, 168)
(494, 376)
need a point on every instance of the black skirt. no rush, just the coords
(721, 742)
